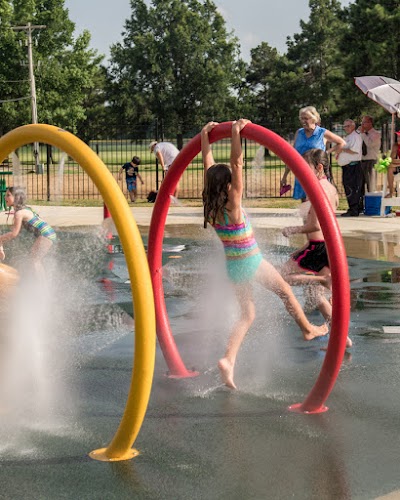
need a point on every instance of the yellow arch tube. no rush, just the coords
(120, 447)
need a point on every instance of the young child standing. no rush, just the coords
(313, 257)
(131, 173)
(25, 217)
(222, 199)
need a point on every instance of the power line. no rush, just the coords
(14, 81)
(15, 99)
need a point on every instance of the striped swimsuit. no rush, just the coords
(241, 249)
(39, 227)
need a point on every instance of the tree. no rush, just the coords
(65, 83)
(306, 75)
(65, 68)
(177, 64)
(96, 123)
(260, 73)
(13, 88)
(316, 51)
(272, 78)
(370, 46)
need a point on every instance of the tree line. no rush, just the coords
(178, 66)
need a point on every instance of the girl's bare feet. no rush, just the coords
(226, 370)
(315, 331)
(349, 344)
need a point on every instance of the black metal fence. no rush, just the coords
(55, 177)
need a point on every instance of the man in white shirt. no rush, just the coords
(371, 150)
(350, 161)
(166, 153)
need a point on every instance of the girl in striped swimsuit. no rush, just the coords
(27, 218)
(222, 198)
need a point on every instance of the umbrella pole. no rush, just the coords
(392, 133)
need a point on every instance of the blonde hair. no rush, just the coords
(310, 110)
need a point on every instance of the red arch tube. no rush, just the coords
(335, 247)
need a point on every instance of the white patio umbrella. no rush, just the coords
(383, 90)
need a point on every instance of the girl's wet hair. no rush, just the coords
(315, 157)
(215, 193)
(19, 194)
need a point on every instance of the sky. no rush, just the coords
(252, 21)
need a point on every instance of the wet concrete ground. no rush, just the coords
(200, 440)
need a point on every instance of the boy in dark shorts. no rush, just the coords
(131, 174)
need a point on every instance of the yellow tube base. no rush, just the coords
(100, 455)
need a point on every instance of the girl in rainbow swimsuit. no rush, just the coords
(222, 199)
(25, 217)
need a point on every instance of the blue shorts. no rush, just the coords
(243, 270)
(131, 184)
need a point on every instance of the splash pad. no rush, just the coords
(217, 443)
(121, 446)
(314, 403)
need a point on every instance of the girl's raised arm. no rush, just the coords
(237, 154)
(208, 159)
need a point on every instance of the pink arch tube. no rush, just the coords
(314, 402)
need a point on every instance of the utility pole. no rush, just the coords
(29, 28)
